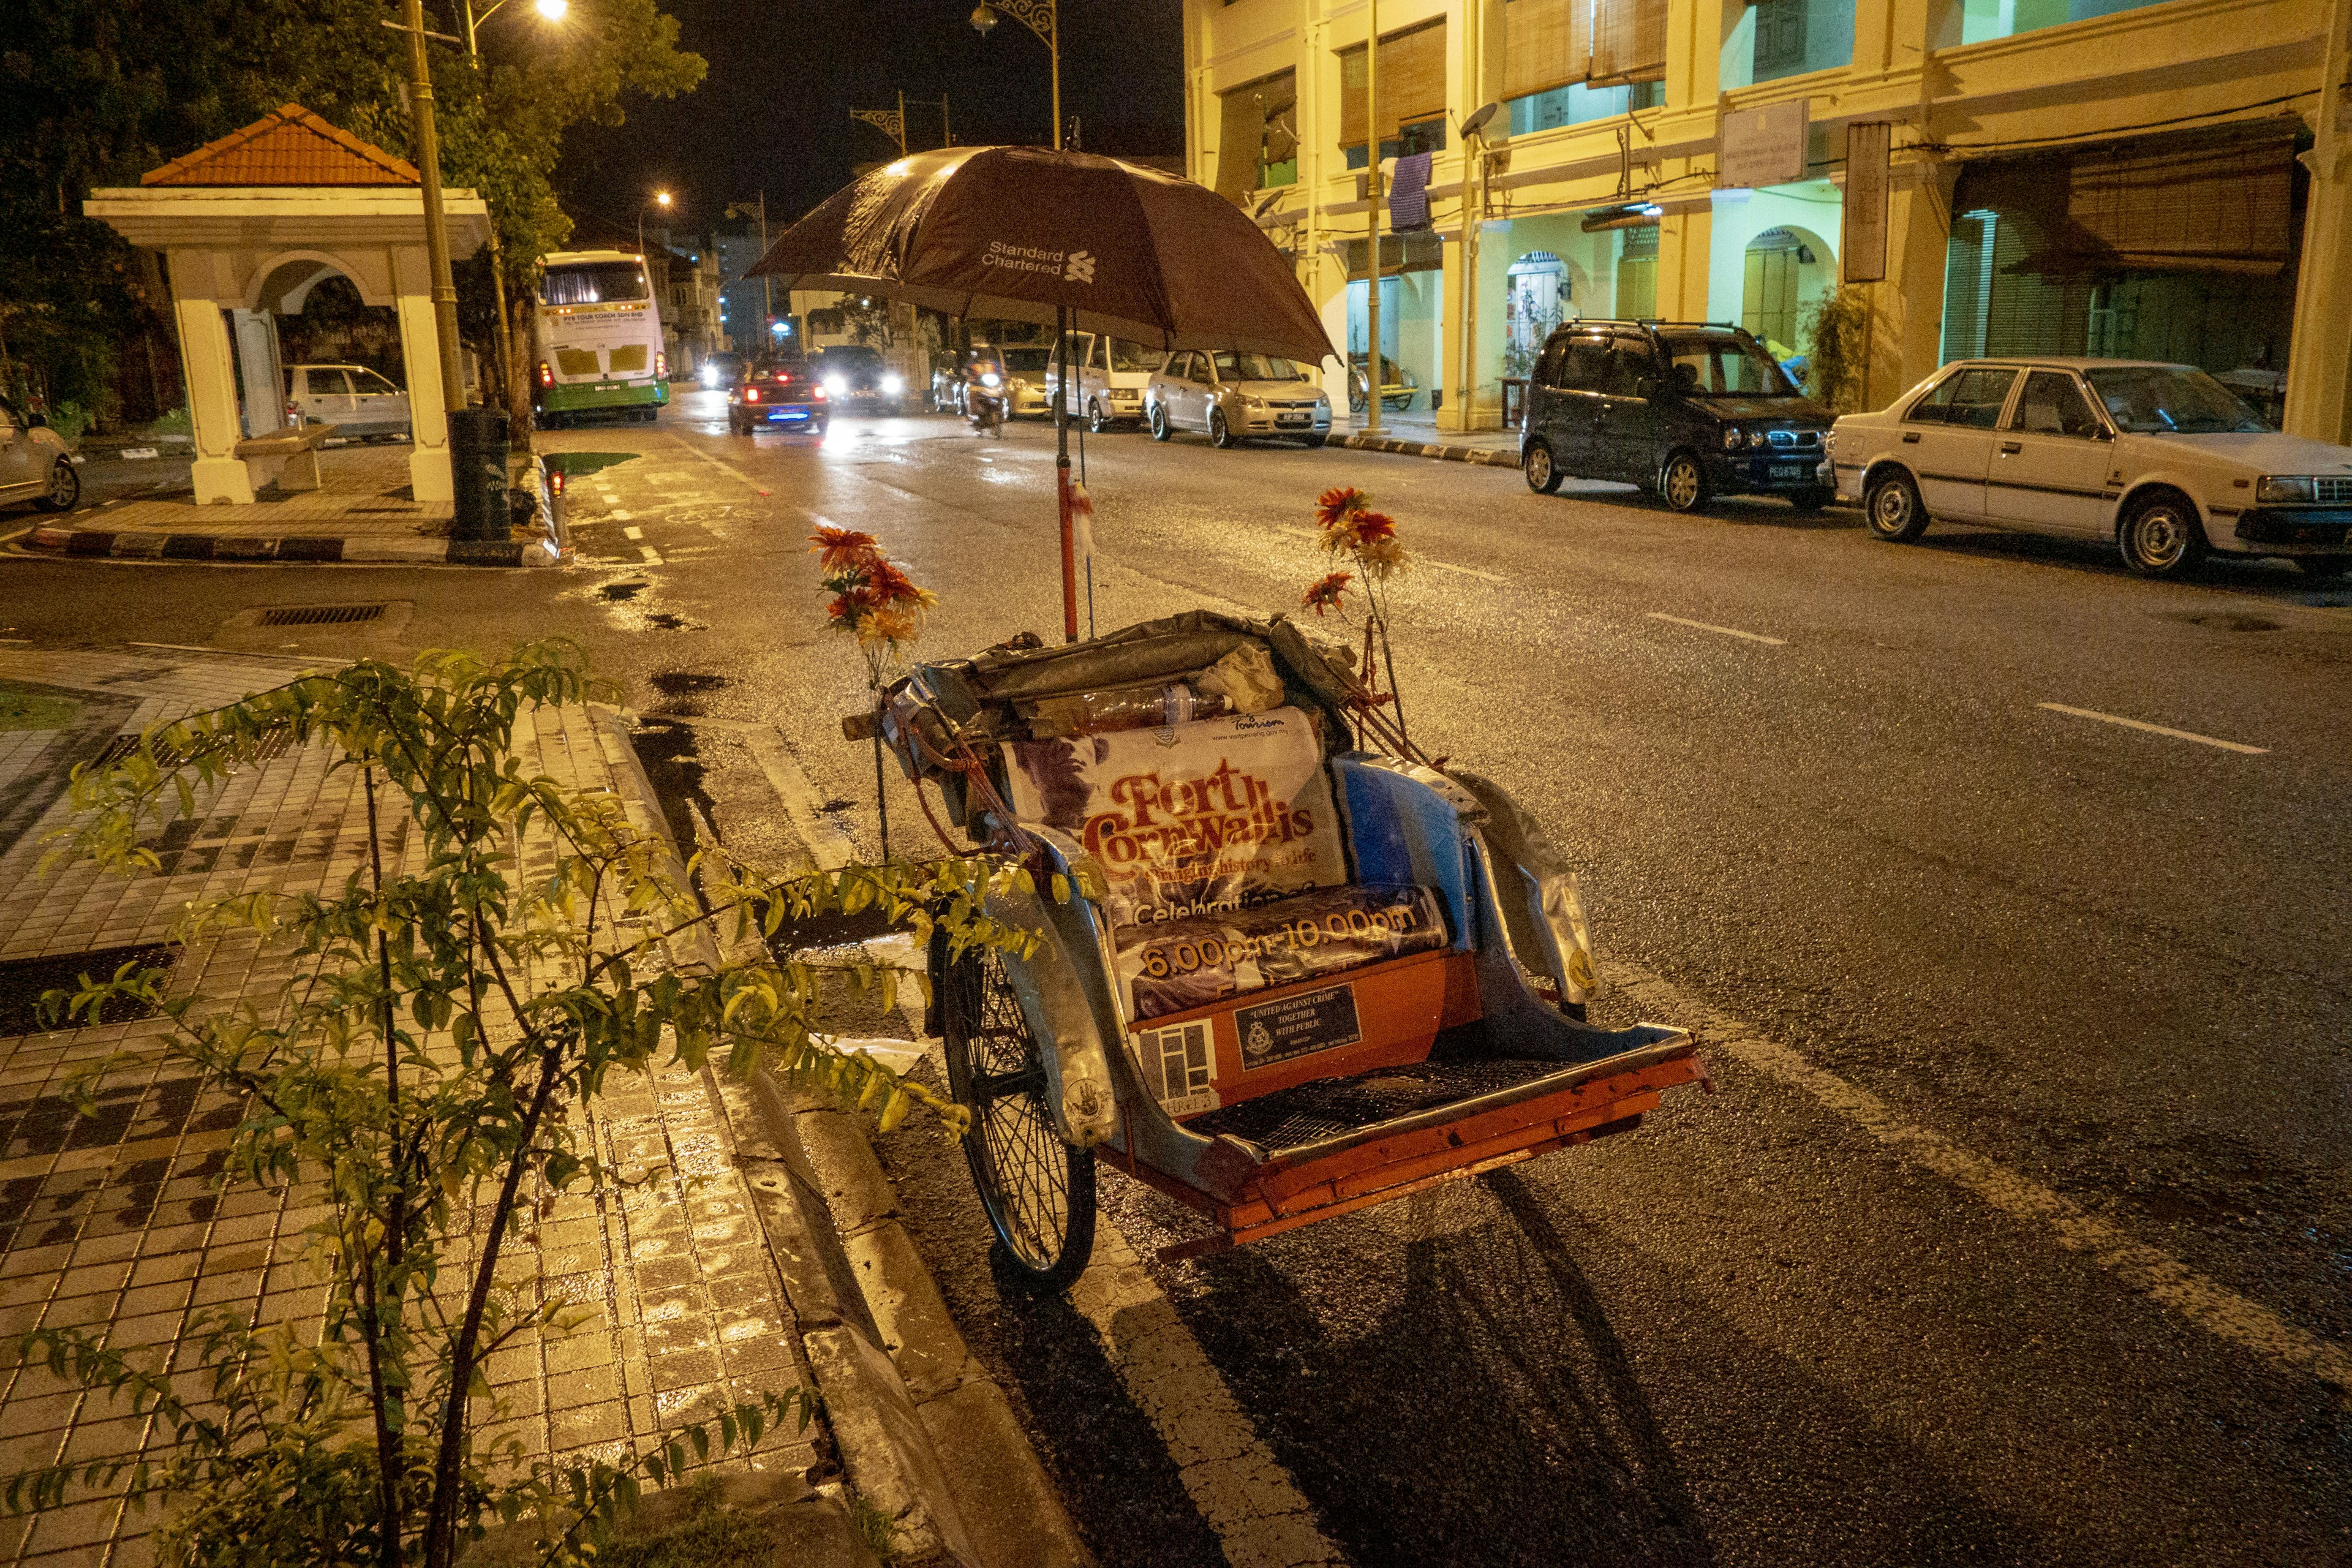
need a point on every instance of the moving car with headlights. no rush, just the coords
(855, 378)
(1107, 384)
(361, 403)
(34, 464)
(1686, 410)
(719, 370)
(779, 395)
(2161, 460)
(1234, 396)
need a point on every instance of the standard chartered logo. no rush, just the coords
(1080, 268)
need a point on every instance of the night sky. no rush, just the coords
(774, 110)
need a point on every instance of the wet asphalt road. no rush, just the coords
(2099, 962)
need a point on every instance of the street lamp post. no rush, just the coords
(1041, 17)
(436, 238)
(659, 199)
(552, 10)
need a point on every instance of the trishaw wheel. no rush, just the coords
(1039, 1192)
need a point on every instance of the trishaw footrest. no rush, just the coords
(1328, 1107)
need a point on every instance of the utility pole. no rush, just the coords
(436, 238)
(1372, 376)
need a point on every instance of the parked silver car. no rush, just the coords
(35, 465)
(1234, 396)
(364, 404)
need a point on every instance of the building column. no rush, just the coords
(2319, 358)
(428, 419)
(1908, 308)
(1685, 245)
(210, 372)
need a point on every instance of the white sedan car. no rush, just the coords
(2161, 459)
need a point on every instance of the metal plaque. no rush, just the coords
(1297, 1025)
(1763, 146)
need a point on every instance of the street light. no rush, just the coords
(1041, 17)
(551, 11)
(660, 199)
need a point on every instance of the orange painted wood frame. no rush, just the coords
(1402, 1004)
(1282, 1198)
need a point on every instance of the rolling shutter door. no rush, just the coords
(1412, 82)
(1629, 40)
(1545, 44)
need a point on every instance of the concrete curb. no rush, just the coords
(300, 548)
(1440, 450)
(965, 1432)
(925, 1434)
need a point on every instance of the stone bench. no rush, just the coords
(295, 452)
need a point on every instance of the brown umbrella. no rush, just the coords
(1070, 239)
(1083, 242)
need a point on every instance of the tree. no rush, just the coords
(446, 1009)
(96, 93)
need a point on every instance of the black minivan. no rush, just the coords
(1688, 410)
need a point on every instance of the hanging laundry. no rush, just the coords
(1408, 193)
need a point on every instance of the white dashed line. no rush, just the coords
(1466, 570)
(2150, 1271)
(622, 514)
(727, 469)
(632, 532)
(1719, 631)
(2155, 729)
(650, 553)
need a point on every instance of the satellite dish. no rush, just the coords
(1478, 119)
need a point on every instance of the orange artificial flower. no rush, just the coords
(838, 549)
(1325, 594)
(1337, 502)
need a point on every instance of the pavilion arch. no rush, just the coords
(250, 225)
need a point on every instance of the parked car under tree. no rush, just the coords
(2161, 460)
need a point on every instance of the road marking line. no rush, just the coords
(2150, 1271)
(1723, 631)
(650, 553)
(723, 467)
(632, 532)
(621, 514)
(1466, 570)
(1240, 1489)
(2155, 729)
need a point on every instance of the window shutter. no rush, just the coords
(2221, 208)
(1254, 119)
(1547, 43)
(1629, 40)
(1412, 82)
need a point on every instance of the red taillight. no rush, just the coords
(750, 394)
(661, 366)
(546, 373)
(818, 393)
(555, 481)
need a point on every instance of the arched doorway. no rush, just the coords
(1787, 268)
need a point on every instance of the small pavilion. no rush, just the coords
(248, 225)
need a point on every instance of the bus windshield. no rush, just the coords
(591, 283)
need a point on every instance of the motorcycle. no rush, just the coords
(983, 402)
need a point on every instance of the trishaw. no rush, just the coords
(1282, 973)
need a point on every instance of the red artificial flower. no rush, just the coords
(838, 549)
(1370, 527)
(1337, 502)
(1325, 594)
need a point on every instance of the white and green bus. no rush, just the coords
(597, 338)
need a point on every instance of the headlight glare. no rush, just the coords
(2274, 489)
(1733, 439)
(892, 386)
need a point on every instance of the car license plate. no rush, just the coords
(1294, 419)
(1793, 470)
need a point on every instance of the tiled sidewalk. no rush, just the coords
(119, 1218)
(362, 491)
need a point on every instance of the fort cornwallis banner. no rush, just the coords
(1194, 819)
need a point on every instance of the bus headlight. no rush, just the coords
(892, 386)
(836, 384)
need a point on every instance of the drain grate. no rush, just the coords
(23, 981)
(320, 614)
(273, 745)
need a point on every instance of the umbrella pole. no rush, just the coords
(1061, 478)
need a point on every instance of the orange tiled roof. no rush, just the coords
(290, 146)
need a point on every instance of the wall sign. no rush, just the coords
(1763, 146)
(1861, 253)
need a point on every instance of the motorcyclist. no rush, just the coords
(984, 390)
